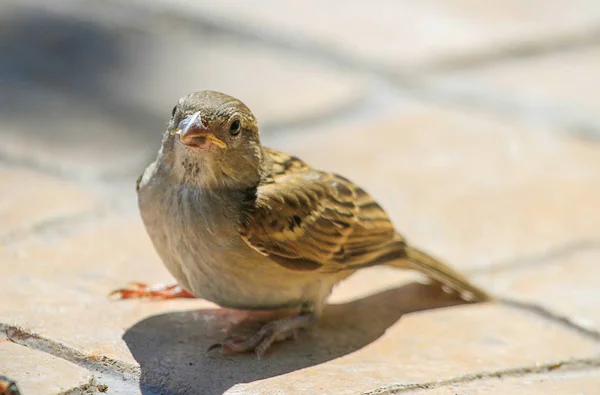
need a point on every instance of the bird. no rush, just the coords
(252, 228)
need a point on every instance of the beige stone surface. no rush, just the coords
(566, 284)
(586, 382)
(564, 82)
(403, 32)
(60, 290)
(29, 198)
(86, 90)
(468, 187)
(122, 76)
(429, 346)
(454, 178)
(285, 87)
(38, 373)
(360, 332)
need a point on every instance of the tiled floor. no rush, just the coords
(475, 125)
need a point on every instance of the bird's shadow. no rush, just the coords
(171, 348)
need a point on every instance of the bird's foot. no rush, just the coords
(273, 332)
(135, 290)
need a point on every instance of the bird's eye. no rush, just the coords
(173, 111)
(235, 127)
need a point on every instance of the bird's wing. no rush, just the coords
(306, 219)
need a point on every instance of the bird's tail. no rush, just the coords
(439, 271)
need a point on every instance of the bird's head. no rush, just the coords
(213, 140)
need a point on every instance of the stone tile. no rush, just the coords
(60, 290)
(566, 83)
(429, 346)
(38, 373)
(54, 284)
(566, 285)
(557, 383)
(403, 32)
(278, 86)
(99, 106)
(468, 187)
(370, 280)
(31, 198)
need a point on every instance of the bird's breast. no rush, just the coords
(197, 237)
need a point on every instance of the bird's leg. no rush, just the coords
(136, 290)
(275, 331)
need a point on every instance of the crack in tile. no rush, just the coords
(537, 259)
(10, 160)
(125, 371)
(581, 38)
(543, 259)
(412, 82)
(573, 364)
(583, 124)
(577, 38)
(95, 363)
(91, 387)
(547, 314)
(57, 225)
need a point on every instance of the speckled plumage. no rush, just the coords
(249, 227)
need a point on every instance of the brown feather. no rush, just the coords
(305, 219)
(302, 214)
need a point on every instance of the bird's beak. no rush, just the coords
(194, 132)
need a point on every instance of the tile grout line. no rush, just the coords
(534, 308)
(569, 40)
(120, 369)
(572, 365)
(126, 372)
(412, 82)
(538, 259)
(83, 217)
(547, 314)
(572, 39)
(415, 84)
(85, 388)
(547, 115)
(81, 178)
(57, 225)
(97, 364)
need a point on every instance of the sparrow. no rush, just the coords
(252, 228)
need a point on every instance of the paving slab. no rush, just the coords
(469, 187)
(427, 346)
(561, 86)
(584, 382)
(60, 289)
(88, 88)
(401, 33)
(38, 373)
(30, 198)
(566, 284)
(366, 339)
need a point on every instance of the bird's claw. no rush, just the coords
(137, 290)
(259, 342)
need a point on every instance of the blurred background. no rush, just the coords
(440, 108)
(476, 124)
